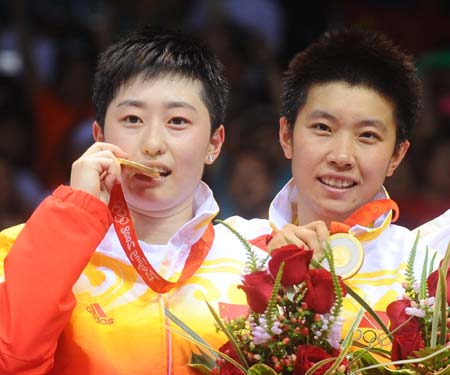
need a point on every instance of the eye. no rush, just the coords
(321, 127)
(179, 121)
(370, 136)
(132, 119)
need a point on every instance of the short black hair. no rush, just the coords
(152, 52)
(360, 58)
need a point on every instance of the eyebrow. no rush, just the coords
(180, 104)
(132, 103)
(318, 113)
(168, 105)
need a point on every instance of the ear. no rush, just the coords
(215, 145)
(97, 132)
(285, 135)
(397, 157)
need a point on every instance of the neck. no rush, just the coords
(304, 219)
(305, 215)
(158, 229)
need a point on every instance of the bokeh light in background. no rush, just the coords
(48, 51)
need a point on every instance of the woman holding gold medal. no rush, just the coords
(85, 283)
(349, 102)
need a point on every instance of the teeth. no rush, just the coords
(337, 183)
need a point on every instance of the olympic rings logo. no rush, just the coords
(119, 212)
(370, 336)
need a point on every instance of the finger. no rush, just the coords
(309, 237)
(103, 146)
(321, 230)
(89, 173)
(283, 238)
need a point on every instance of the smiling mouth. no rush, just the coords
(337, 183)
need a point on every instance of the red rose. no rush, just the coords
(228, 368)
(296, 263)
(309, 355)
(408, 337)
(407, 341)
(432, 282)
(258, 289)
(396, 312)
(320, 295)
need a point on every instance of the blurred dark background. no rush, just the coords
(48, 51)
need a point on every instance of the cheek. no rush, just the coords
(304, 160)
(375, 167)
(190, 159)
(121, 140)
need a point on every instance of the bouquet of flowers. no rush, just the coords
(419, 324)
(294, 319)
(293, 325)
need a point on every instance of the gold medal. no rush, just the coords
(151, 172)
(348, 254)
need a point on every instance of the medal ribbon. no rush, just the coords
(366, 215)
(347, 249)
(123, 225)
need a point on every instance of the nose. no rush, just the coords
(153, 141)
(341, 154)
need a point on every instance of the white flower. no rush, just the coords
(415, 312)
(259, 332)
(334, 337)
(260, 335)
(276, 328)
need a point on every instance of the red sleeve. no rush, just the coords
(44, 263)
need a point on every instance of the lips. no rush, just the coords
(161, 169)
(337, 182)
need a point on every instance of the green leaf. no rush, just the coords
(369, 365)
(252, 258)
(318, 365)
(366, 307)
(440, 302)
(347, 343)
(379, 351)
(271, 308)
(423, 278)
(364, 359)
(208, 347)
(421, 359)
(201, 369)
(229, 335)
(443, 303)
(261, 369)
(442, 279)
(410, 265)
(202, 362)
(188, 330)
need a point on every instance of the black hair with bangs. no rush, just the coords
(151, 53)
(360, 58)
